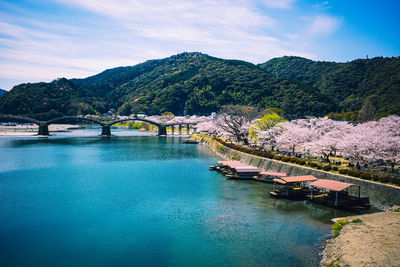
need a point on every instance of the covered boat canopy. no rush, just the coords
(235, 165)
(331, 185)
(295, 179)
(266, 173)
(226, 162)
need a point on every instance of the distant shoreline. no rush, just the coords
(32, 130)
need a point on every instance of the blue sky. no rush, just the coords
(41, 40)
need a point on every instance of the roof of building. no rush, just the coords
(295, 179)
(273, 173)
(331, 185)
(225, 162)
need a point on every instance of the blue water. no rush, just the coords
(143, 201)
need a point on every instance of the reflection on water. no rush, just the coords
(143, 201)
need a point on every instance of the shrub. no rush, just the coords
(365, 176)
(318, 166)
(293, 160)
(301, 161)
(312, 164)
(246, 149)
(335, 168)
(375, 177)
(354, 173)
(384, 179)
(278, 157)
(343, 171)
(327, 167)
(286, 159)
(337, 226)
(356, 220)
(395, 180)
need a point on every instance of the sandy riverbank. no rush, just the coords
(32, 130)
(373, 242)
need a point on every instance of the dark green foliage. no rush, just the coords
(285, 159)
(335, 168)
(395, 180)
(327, 167)
(349, 84)
(293, 160)
(312, 164)
(384, 179)
(301, 161)
(343, 171)
(354, 173)
(278, 157)
(49, 100)
(195, 83)
(365, 176)
(375, 177)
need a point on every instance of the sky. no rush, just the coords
(41, 40)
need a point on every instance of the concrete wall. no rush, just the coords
(381, 195)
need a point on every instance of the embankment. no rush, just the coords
(382, 196)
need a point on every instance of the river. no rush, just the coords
(76, 199)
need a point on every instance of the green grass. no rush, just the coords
(335, 263)
(338, 225)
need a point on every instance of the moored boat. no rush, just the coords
(336, 194)
(243, 172)
(222, 164)
(294, 187)
(268, 176)
(190, 141)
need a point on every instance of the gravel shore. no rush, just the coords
(373, 242)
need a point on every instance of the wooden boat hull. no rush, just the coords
(293, 194)
(359, 204)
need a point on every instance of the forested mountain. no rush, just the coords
(350, 84)
(49, 100)
(195, 83)
(2, 92)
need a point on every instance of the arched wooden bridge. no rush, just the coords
(105, 125)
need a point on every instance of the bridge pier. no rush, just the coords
(180, 128)
(162, 130)
(43, 129)
(106, 130)
(187, 129)
(172, 129)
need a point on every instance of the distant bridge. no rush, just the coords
(105, 125)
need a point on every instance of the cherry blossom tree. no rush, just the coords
(300, 133)
(384, 140)
(327, 139)
(235, 122)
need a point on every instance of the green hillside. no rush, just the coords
(349, 84)
(195, 83)
(49, 100)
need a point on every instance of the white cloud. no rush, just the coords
(324, 25)
(284, 4)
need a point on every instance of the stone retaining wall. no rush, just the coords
(381, 195)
